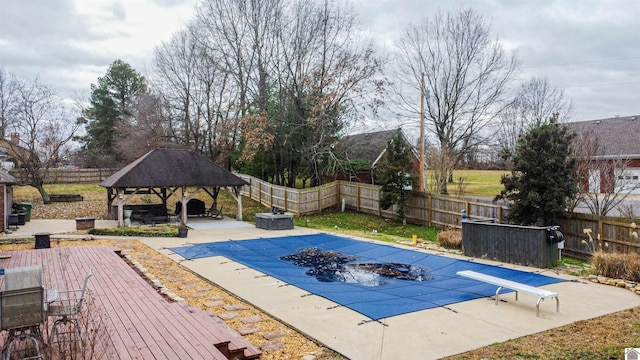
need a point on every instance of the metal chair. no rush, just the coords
(67, 307)
(214, 212)
(21, 314)
(23, 277)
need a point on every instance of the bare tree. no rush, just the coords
(142, 128)
(604, 182)
(174, 66)
(536, 102)
(466, 73)
(7, 101)
(46, 126)
(331, 74)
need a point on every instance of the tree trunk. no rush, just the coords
(45, 196)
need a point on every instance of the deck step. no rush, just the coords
(229, 342)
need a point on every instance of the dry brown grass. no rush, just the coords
(617, 266)
(604, 337)
(450, 239)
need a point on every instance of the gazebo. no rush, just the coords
(170, 172)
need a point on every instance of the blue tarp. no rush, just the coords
(394, 297)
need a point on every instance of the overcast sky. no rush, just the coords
(588, 48)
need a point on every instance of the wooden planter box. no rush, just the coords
(65, 198)
(521, 245)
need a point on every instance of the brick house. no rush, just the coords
(618, 141)
(6, 198)
(363, 152)
(12, 152)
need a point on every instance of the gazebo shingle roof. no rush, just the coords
(172, 167)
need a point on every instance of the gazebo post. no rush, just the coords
(120, 208)
(183, 209)
(236, 190)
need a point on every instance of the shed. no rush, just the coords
(6, 197)
(169, 172)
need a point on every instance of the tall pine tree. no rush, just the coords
(395, 174)
(541, 180)
(110, 99)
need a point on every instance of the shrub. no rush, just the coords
(613, 265)
(450, 239)
(617, 266)
(145, 231)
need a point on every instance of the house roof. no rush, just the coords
(172, 167)
(6, 178)
(617, 136)
(366, 146)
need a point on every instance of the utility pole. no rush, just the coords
(421, 173)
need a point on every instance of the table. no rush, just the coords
(270, 221)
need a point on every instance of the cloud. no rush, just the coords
(69, 43)
(587, 47)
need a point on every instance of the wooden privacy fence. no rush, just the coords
(437, 211)
(61, 176)
(422, 209)
(609, 235)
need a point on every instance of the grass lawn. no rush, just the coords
(474, 182)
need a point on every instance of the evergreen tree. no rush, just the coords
(541, 181)
(109, 101)
(395, 174)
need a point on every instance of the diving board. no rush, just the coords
(515, 286)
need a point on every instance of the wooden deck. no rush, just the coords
(127, 317)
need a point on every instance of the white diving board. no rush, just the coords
(515, 286)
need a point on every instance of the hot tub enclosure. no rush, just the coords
(523, 245)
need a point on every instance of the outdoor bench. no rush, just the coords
(515, 286)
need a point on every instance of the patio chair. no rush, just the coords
(66, 308)
(21, 314)
(214, 212)
(23, 277)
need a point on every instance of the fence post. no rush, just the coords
(379, 201)
(285, 199)
(429, 212)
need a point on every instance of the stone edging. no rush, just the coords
(627, 284)
(157, 284)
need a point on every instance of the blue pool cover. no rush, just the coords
(391, 297)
